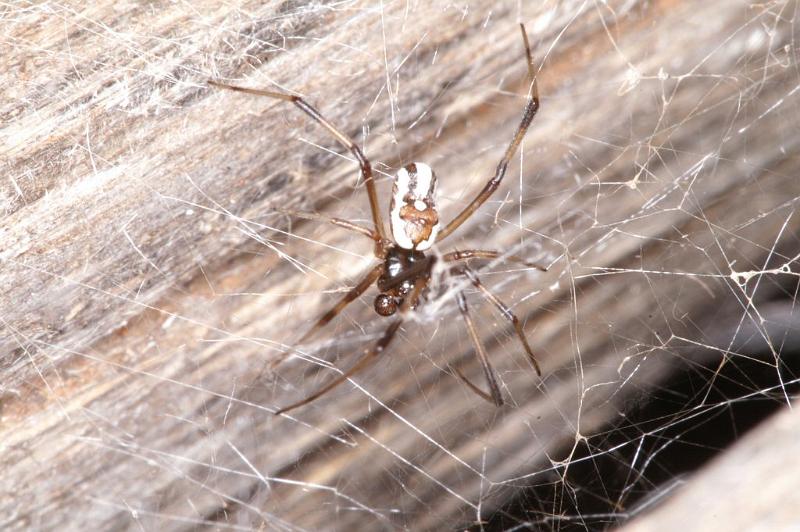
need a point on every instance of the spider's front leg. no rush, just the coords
(372, 352)
(348, 298)
(505, 311)
(467, 254)
(491, 378)
(369, 355)
(334, 311)
(496, 397)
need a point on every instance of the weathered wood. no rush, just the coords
(148, 281)
(746, 489)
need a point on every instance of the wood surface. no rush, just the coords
(149, 277)
(745, 489)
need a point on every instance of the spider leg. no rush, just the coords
(527, 116)
(360, 364)
(496, 397)
(344, 140)
(466, 254)
(506, 312)
(348, 298)
(480, 393)
(371, 353)
(331, 220)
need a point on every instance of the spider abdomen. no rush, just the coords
(413, 215)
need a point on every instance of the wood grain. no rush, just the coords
(732, 490)
(147, 279)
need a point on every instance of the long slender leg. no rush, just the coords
(483, 395)
(496, 397)
(334, 311)
(371, 353)
(331, 220)
(527, 116)
(344, 140)
(360, 364)
(466, 254)
(506, 312)
(348, 298)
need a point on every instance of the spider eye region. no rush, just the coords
(385, 305)
(414, 219)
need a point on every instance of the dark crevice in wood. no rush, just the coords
(677, 427)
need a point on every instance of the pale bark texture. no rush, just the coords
(749, 488)
(150, 278)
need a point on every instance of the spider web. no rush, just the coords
(658, 184)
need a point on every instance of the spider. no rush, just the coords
(404, 271)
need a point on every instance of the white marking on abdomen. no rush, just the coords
(424, 188)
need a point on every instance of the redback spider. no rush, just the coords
(404, 271)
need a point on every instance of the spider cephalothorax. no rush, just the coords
(404, 271)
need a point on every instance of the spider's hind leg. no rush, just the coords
(531, 107)
(363, 163)
(339, 222)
